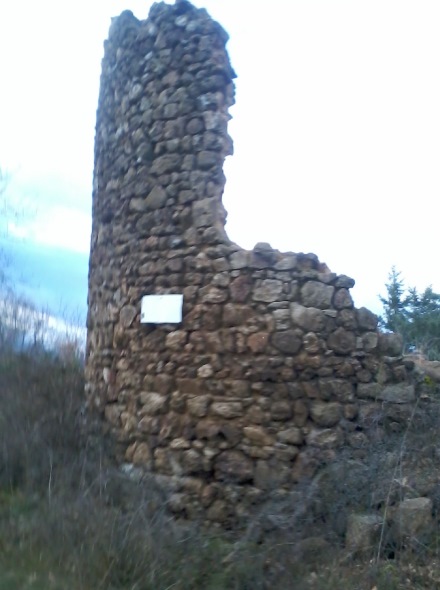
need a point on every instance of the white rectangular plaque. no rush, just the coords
(161, 309)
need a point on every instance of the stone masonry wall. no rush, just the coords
(272, 369)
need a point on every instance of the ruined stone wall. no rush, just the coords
(272, 369)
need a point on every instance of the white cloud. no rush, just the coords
(58, 226)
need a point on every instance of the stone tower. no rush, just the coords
(262, 369)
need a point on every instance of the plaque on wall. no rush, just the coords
(161, 309)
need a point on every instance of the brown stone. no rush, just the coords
(163, 383)
(300, 413)
(198, 406)
(258, 342)
(236, 315)
(312, 343)
(219, 511)
(291, 436)
(192, 461)
(325, 413)
(237, 388)
(142, 454)
(127, 315)
(240, 288)
(191, 386)
(176, 340)
(153, 403)
(205, 371)
(281, 410)
(149, 424)
(207, 429)
(227, 410)
(214, 295)
(328, 438)
(258, 435)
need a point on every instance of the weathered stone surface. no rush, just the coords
(308, 318)
(342, 341)
(288, 341)
(342, 299)
(344, 282)
(240, 289)
(192, 461)
(236, 315)
(156, 198)
(316, 294)
(288, 262)
(141, 455)
(220, 511)
(370, 341)
(398, 393)
(176, 340)
(198, 406)
(227, 409)
(291, 436)
(205, 371)
(281, 410)
(163, 383)
(390, 344)
(127, 315)
(239, 259)
(363, 533)
(258, 342)
(153, 403)
(312, 344)
(325, 413)
(367, 320)
(369, 390)
(258, 435)
(327, 438)
(413, 519)
(268, 290)
(234, 466)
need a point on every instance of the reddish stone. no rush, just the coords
(240, 289)
(258, 342)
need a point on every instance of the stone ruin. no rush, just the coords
(271, 370)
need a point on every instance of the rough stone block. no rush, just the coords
(363, 533)
(317, 294)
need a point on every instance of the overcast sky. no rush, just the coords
(336, 127)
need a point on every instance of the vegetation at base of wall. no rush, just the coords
(412, 314)
(70, 519)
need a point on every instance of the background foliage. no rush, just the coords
(412, 314)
